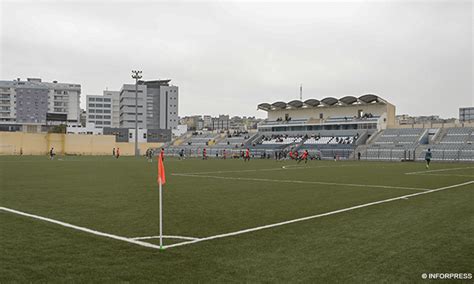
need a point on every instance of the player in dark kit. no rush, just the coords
(428, 156)
(204, 154)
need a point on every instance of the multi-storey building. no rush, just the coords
(33, 101)
(161, 104)
(157, 108)
(127, 106)
(157, 105)
(466, 114)
(115, 99)
(99, 111)
(222, 122)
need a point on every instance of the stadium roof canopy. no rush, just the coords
(330, 101)
(348, 100)
(296, 103)
(326, 102)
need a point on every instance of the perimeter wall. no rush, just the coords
(11, 143)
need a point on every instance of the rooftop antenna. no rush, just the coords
(301, 92)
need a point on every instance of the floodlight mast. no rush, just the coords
(136, 74)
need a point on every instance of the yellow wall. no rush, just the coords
(390, 115)
(73, 144)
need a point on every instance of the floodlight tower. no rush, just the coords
(136, 75)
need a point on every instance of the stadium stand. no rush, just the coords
(412, 144)
(334, 128)
(455, 145)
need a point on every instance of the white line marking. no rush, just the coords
(304, 182)
(87, 230)
(440, 170)
(315, 216)
(145, 244)
(165, 237)
(265, 170)
(446, 175)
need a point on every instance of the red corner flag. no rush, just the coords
(161, 170)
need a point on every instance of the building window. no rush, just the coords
(91, 99)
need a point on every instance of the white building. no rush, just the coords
(103, 111)
(127, 106)
(157, 105)
(162, 104)
(99, 111)
(115, 96)
(181, 129)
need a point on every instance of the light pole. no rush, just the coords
(136, 75)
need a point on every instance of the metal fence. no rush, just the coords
(384, 154)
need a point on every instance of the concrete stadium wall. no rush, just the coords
(66, 144)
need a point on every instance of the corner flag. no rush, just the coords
(161, 170)
(161, 180)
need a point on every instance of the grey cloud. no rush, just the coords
(227, 57)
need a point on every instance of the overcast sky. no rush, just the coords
(227, 57)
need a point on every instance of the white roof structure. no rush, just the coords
(326, 102)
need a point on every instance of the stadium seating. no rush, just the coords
(455, 145)
(402, 144)
(452, 144)
(200, 139)
(457, 135)
(332, 140)
(281, 140)
(400, 136)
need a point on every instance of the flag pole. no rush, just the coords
(161, 214)
(161, 181)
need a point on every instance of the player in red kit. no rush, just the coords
(304, 157)
(247, 155)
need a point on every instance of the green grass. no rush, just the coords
(390, 242)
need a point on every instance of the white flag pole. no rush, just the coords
(161, 215)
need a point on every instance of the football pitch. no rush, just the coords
(96, 219)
